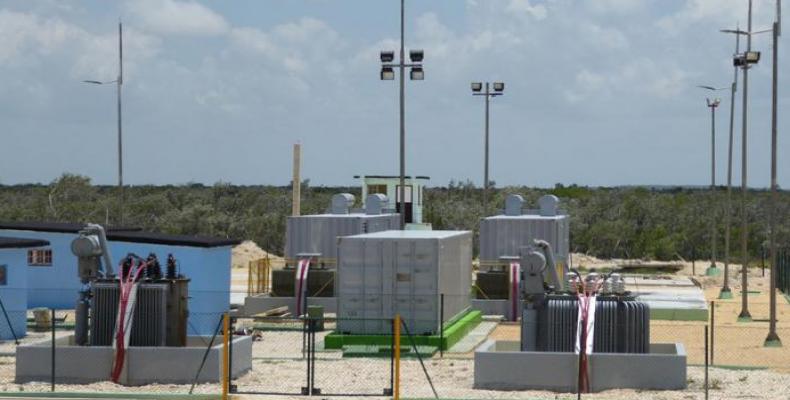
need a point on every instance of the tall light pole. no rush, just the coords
(713, 104)
(726, 292)
(744, 60)
(477, 90)
(772, 340)
(416, 74)
(119, 84)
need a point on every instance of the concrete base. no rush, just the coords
(499, 365)
(261, 303)
(496, 307)
(725, 294)
(146, 365)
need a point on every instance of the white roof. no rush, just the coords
(416, 234)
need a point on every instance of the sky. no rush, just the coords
(598, 92)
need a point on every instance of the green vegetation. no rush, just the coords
(624, 222)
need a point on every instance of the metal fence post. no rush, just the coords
(225, 374)
(396, 390)
(53, 349)
(706, 362)
(389, 392)
(712, 330)
(441, 325)
(231, 329)
(8, 320)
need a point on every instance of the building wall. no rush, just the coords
(14, 293)
(52, 286)
(208, 270)
(57, 286)
(418, 193)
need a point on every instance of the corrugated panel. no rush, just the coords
(504, 236)
(149, 318)
(620, 326)
(379, 277)
(319, 233)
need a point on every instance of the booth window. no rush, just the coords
(3, 275)
(39, 258)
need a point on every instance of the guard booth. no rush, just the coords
(390, 187)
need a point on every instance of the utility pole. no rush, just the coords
(772, 340)
(402, 116)
(296, 181)
(745, 315)
(477, 90)
(712, 104)
(120, 134)
(726, 293)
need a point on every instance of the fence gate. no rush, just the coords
(352, 365)
(279, 356)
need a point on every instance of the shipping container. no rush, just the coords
(317, 234)
(403, 272)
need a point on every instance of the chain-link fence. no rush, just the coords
(294, 356)
(783, 271)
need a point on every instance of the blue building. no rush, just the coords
(52, 270)
(13, 284)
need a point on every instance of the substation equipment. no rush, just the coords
(311, 250)
(410, 273)
(502, 238)
(159, 308)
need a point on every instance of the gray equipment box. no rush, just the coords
(402, 272)
(318, 233)
(503, 235)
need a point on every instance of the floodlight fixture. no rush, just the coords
(477, 86)
(387, 74)
(387, 56)
(499, 86)
(713, 103)
(416, 56)
(752, 57)
(417, 74)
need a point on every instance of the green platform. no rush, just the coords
(453, 332)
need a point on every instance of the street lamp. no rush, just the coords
(416, 73)
(725, 292)
(744, 61)
(772, 340)
(118, 83)
(477, 90)
(712, 104)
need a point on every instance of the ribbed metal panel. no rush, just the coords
(149, 318)
(621, 326)
(402, 272)
(319, 233)
(503, 235)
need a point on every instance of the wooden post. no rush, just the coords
(297, 181)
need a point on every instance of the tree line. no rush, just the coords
(620, 222)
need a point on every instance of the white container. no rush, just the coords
(402, 272)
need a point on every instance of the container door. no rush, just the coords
(350, 287)
(416, 285)
(373, 288)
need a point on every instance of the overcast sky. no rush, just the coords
(599, 92)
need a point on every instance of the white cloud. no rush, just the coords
(525, 8)
(30, 40)
(177, 17)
